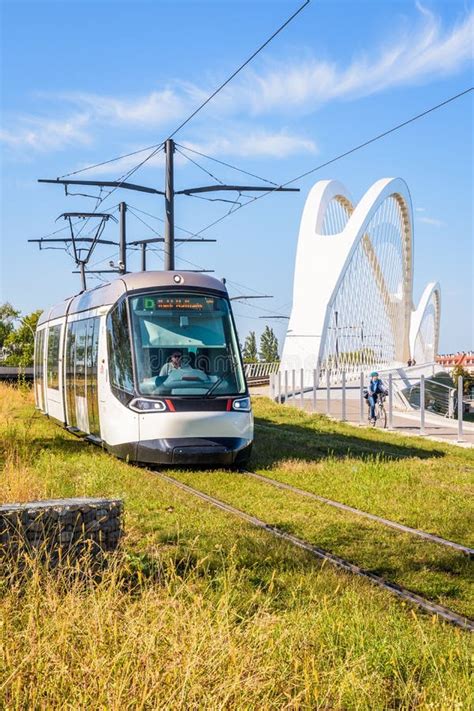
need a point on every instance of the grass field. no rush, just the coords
(204, 611)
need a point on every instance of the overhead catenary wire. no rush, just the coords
(154, 148)
(228, 165)
(350, 151)
(380, 135)
(134, 209)
(306, 173)
(238, 70)
(191, 160)
(158, 234)
(159, 146)
(160, 219)
(160, 251)
(110, 160)
(266, 311)
(123, 179)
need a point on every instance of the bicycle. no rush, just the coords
(380, 412)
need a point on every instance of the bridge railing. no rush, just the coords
(260, 371)
(427, 398)
(438, 397)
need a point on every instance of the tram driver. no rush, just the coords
(172, 364)
(181, 367)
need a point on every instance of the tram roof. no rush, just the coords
(107, 294)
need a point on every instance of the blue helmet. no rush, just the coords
(374, 374)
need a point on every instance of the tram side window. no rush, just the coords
(119, 348)
(54, 335)
(80, 357)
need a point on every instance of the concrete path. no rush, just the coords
(438, 429)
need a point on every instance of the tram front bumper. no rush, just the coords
(224, 451)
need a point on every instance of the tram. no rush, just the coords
(149, 367)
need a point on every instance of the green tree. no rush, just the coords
(467, 379)
(20, 342)
(7, 321)
(269, 346)
(249, 351)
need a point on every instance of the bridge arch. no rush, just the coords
(424, 331)
(353, 281)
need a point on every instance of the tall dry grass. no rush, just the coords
(199, 641)
(18, 481)
(199, 611)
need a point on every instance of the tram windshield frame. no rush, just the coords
(185, 345)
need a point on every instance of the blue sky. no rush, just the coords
(84, 81)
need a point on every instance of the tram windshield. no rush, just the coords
(186, 345)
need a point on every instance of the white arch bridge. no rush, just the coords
(353, 285)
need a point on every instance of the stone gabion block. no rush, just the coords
(61, 528)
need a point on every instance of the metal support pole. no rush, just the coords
(169, 206)
(302, 388)
(361, 400)
(286, 387)
(82, 270)
(343, 396)
(315, 387)
(390, 401)
(460, 408)
(293, 386)
(422, 404)
(279, 387)
(143, 246)
(451, 395)
(123, 238)
(328, 392)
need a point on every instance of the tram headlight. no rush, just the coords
(141, 404)
(242, 404)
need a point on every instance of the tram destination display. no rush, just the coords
(199, 304)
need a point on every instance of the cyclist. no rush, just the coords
(376, 388)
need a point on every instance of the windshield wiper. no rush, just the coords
(217, 383)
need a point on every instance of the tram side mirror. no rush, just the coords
(183, 321)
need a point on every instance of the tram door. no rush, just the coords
(92, 391)
(39, 369)
(81, 375)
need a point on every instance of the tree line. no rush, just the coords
(17, 336)
(268, 351)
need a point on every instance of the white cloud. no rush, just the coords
(155, 109)
(46, 134)
(420, 209)
(245, 142)
(427, 52)
(420, 55)
(431, 221)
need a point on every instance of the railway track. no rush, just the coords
(365, 514)
(404, 594)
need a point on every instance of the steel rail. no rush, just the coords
(433, 608)
(365, 514)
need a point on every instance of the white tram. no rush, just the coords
(149, 367)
